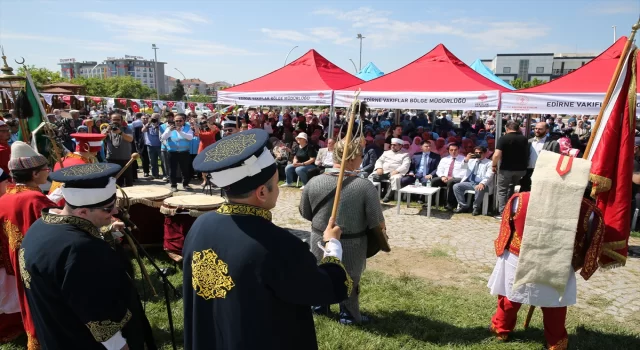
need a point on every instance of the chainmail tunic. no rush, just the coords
(359, 209)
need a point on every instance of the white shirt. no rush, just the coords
(186, 135)
(394, 161)
(484, 172)
(534, 150)
(328, 159)
(458, 171)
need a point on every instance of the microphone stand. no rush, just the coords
(165, 281)
(208, 187)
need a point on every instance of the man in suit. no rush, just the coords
(479, 178)
(424, 164)
(373, 151)
(541, 141)
(449, 173)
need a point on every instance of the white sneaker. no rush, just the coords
(286, 185)
(302, 188)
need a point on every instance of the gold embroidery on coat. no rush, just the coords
(515, 243)
(32, 342)
(334, 260)
(86, 169)
(209, 275)
(13, 233)
(244, 209)
(230, 148)
(104, 330)
(24, 274)
(83, 224)
(21, 188)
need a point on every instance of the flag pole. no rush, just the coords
(612, 85)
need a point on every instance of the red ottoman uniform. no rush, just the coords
(587, 247)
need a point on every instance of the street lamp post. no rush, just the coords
(183, 79)
(360, 37)
(286, 58)
(354, 66)
(614, 33)
(155, 76)
(94, 67)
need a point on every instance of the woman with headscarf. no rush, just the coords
(416, 146)
(441, 147)
(482, 138)
(582, 132)
(566, 147)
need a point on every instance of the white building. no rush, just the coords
(543, 66)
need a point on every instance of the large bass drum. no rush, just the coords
(144, 204)
(180, 213)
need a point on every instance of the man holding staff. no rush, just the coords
(249, 284)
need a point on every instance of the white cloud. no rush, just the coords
(190, 16)
(613, 7)
(382, 31)
(310, 35)
(289, 35)
(90, 45)
(136, 23)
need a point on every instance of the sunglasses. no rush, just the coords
(108, 209)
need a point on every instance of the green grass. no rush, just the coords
(410, 313)
(635, 234)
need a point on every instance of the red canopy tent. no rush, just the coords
(437, 80)
(579, 92)
(309, 80)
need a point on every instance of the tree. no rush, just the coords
(536, 82)
(178, 91)
(124, 87)
(197, 97)
(518, 84)
(41, 76)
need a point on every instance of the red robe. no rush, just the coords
(5, 154)
(20, 207)
(70, 160)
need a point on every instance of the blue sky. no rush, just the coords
(241, 40)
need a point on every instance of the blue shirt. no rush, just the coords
(152, 137)
(423, 163)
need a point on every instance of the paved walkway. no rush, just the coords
(615, 292)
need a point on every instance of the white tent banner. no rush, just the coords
(465, 100)
(556, 103)
(48, 98)
(275, 98)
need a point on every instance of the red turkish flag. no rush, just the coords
(149, 103)
(122, 101)
(135, 107)
(612, 157)
(96, 99)
(210, 106)
(66, 98)
(170, 104)
(192, 106)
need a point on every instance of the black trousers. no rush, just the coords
(144, 154)
(183, 161)
(126, 180)
(451, 197)
(525, 182)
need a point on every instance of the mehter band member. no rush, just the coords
(77, 287)
(249, 284)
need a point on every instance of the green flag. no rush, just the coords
(36, 107)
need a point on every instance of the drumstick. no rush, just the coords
(143, 269)
(529, 315)
(134, 157)
(343, 163)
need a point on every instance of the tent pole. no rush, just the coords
(331, 111)
(495, 178)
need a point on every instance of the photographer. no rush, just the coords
(208, 132)
(178, 136)
(479, 178)
(119, 140)
(151, 135)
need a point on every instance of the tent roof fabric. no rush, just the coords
(57, 90)
(308, 73)
(479, 67)
(437, 71)
(369, 72)
(593, 77)
(62, 85)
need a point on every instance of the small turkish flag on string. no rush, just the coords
(96, 99)
(192, 106)
(170, 104)
(66, 98)
(122, 101)
(135, 107)
(210, 106)
(149, 103)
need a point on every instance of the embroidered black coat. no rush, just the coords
(77, 287)
(249, 284)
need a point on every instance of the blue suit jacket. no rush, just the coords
(431, 167)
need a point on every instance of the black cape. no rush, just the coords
(249, 284)
(77, 287)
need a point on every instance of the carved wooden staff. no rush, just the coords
(134, 157)
(352, 117)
